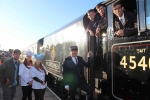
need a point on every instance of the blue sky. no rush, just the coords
(22, 22)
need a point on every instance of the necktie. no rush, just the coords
(76, 61)
(78, 67)
(16, 63)
(121, 20)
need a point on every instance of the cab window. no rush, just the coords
(141, 14)
(147, 2)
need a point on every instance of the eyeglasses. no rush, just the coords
(117, 8)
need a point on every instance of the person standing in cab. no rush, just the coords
(93, 24)
(25, 74)
(9, 77)
(73, 74)
(39, 74)
(125, 23)
(102, 19)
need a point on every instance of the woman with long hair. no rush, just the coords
(25, 74)
(39, 74)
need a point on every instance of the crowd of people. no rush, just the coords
(34, 75)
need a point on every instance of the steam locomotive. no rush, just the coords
(121, 71)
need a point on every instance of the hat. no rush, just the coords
(29, 53)
(36, 56)
(73, 48)
(17, 51)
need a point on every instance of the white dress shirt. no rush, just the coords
(74, 59)
(122, 18)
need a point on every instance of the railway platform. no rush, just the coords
(48, 94)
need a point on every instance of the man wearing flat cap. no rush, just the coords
(73, 74)
(9, 75)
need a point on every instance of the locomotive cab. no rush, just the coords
(128, 58)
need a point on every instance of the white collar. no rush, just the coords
(122, 17)
(15, 60)
(73, 57)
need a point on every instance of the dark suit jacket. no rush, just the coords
(71, 74)
(7, 71)
(130, 26)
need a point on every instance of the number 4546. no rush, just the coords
(141, 63)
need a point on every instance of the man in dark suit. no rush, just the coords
(9, 75)
(125, 23)
(73, 74)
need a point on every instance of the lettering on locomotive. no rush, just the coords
(133, 58)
